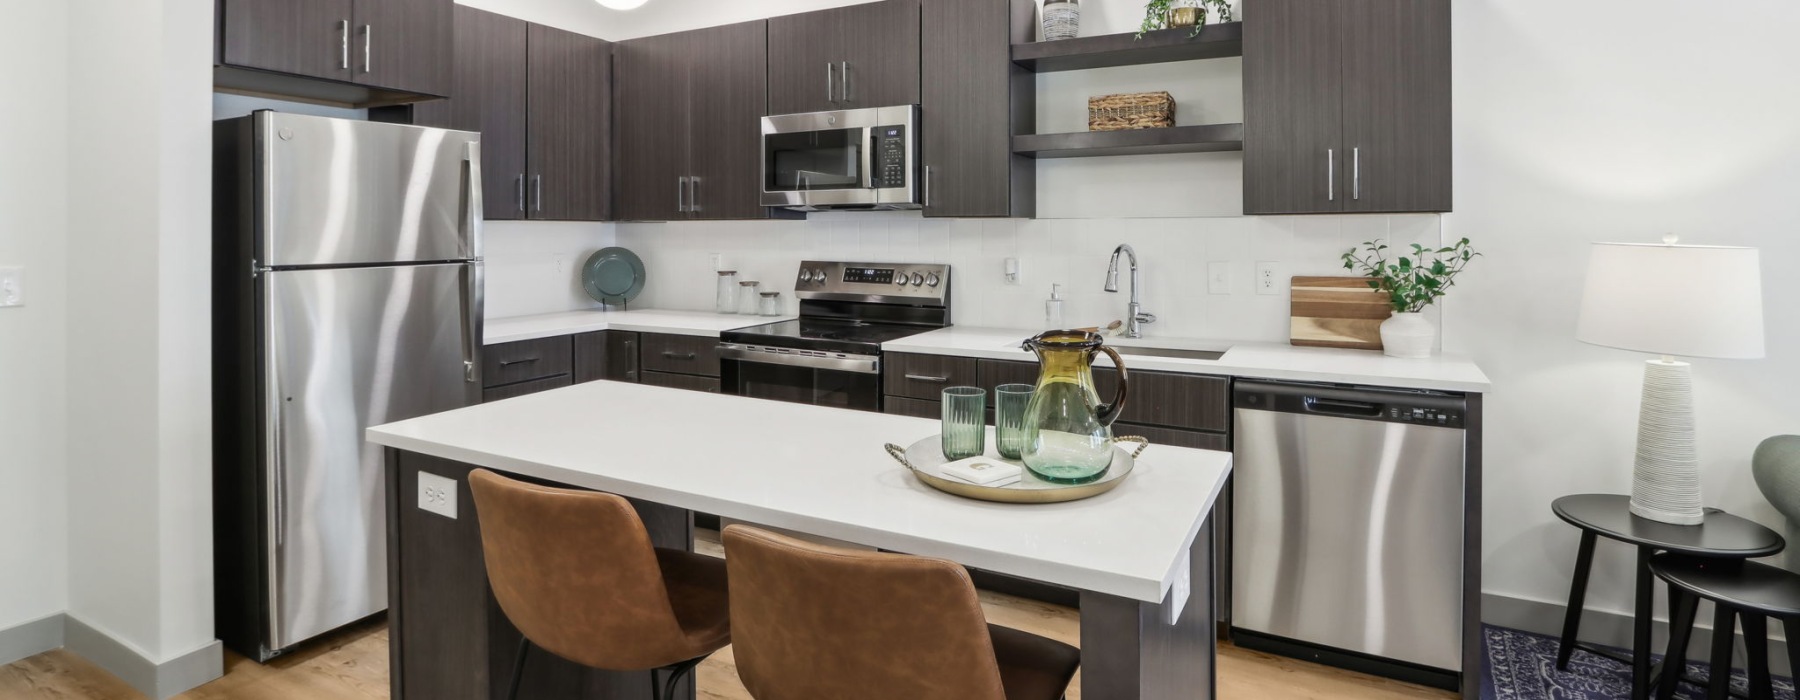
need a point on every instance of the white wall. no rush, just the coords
(139, 450)
(1580, 122)
(33, 232)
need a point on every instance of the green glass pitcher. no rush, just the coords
(1068, 432)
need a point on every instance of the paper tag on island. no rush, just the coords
(982, 471)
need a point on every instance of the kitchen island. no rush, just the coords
(1140, 556)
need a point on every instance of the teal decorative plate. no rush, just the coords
(613, 276)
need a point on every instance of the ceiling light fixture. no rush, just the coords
(622, 4)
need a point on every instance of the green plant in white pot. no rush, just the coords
(1411, 283)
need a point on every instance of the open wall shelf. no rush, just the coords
(1175, 139)
(1161, 46)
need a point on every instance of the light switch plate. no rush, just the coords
(12, 286)
(437, 495)
(1268, 278)
(1218, 277)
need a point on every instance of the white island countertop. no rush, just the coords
(822, 471)
(1249, 360)
(700, 323)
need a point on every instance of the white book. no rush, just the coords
(983, 471)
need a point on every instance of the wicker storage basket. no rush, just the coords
(1144, 110)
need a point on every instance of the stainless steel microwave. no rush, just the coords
(854, 159)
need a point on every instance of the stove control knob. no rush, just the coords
(932, 280)
(917, 279)
(819, 276)
(805, 275)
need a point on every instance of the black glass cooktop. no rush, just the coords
(819, 334)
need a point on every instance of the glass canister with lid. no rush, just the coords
(770, 305)
(749, 294)
(725, 301)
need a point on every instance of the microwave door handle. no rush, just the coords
(868, 156)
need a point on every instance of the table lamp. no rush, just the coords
(1669, 300)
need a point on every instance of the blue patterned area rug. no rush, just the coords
(1522, 666)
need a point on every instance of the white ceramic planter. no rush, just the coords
(1407, 335)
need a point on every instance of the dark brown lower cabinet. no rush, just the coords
(690, 382)
(606, 355)
(509, 391)
(440, 649)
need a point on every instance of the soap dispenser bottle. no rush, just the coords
(1053, 309)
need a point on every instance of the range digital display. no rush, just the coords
(869, 275)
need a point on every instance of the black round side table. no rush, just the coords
(1740, 590)
(1721, 536)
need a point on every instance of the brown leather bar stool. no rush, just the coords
(812, 622)
(576, 573)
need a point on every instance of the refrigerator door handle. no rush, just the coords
(471, 325)
(476, 208)
(276, 492)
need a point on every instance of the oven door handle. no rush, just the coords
(859, 364)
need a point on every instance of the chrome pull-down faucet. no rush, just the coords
(1135, 316)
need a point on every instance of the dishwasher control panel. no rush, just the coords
(1414, 408)
(1425, 416)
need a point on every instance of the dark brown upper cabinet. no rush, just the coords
(361, 53)
(974, 98)
(1346, 106)
(689, 107)
(845, 58)
(541, 99)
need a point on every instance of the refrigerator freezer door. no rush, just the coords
(347, 349)
(338, 191)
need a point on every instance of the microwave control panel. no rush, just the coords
(890, 156)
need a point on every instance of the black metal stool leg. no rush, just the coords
(1792, 631)
(1682, 609)
(675, 671)
(1642, 608)
(518, 673)
(1718, 678)
(1584, 564)
(1756, 646)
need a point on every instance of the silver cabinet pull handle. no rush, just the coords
(1356, 173)
(830, 86)
(671, 354)
(844, 79)
(927, 188)
(368, 41)
(924, 378)
(1330, 175)
(693, 193)
(537, 187)
(681, 194)
(526, 361)
(521, 193)
(344, 44)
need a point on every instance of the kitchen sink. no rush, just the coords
(1170, 352)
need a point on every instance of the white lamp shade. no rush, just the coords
(1692, 301)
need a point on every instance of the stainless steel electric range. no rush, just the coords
(831, 354)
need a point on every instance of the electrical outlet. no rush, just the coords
(1218, 277)
(1181, 589)
(718, 262)
(562, 263)
(12, 286)
(437, 495)
(1268, 278)
(1014, 271)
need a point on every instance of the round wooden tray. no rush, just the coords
(924, 458)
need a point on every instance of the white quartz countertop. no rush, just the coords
(822, 470)
(701, 323)
(1243, 359)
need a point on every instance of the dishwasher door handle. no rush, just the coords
(1340, 407)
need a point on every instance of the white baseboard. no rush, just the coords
(31, 638)
(1614, 628)
(159, 681)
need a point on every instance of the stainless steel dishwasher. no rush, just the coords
(1348, 527)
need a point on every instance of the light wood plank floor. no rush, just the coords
(353, 665)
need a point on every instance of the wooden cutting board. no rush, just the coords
(1337, 312)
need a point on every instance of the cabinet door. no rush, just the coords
(650, 90)
(726, 95)
(571, 117)
(300, 37)
(606, 355)
(845, 58)
(689, 382)
(404, 45)
(967, 99)
(487, 95)
(1293, 107)
(1397, 105)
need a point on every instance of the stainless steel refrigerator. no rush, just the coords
(347, 293)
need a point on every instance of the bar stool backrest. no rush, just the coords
(1776, 466)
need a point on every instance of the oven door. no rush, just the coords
(850, 159)
(822, 379)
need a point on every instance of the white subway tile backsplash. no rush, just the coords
(1173, 255)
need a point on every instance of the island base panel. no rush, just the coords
(449, 638)
(1129, 651)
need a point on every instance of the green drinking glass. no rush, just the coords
(1010, 402)
(965, 422)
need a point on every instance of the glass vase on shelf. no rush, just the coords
(1186, 13)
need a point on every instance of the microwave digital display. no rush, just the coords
(869, 275)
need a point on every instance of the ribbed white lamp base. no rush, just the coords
(1665, 485)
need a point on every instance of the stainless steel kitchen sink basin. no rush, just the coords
(1170, 352)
